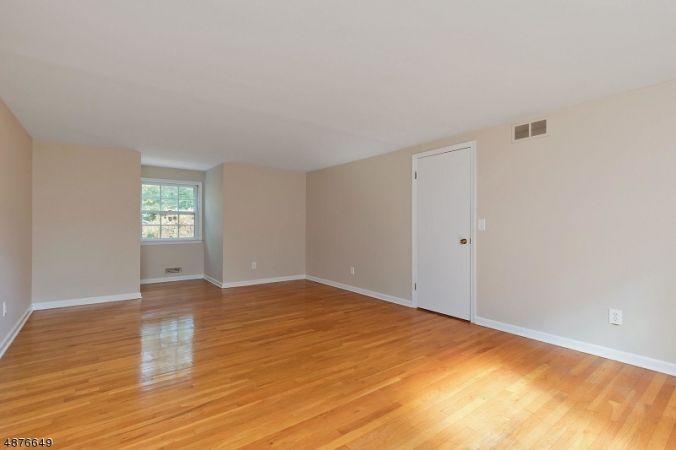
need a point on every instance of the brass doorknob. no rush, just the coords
(463, 241)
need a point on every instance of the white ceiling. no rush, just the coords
(304, 84)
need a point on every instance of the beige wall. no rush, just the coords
(358, 214)
(86, 219)
(15, 221)
(213, 223)
(264, 221)
(155, 258)
(577, 222)
(168, 173)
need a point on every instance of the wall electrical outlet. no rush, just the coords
(615, 316)
(253, 265)
(4, 309)
(481, 225)
(351, 270)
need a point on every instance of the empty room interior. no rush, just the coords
(357, 224)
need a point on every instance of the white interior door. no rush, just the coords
(443, 229)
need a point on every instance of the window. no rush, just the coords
(170, 210)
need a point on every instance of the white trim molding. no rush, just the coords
(86, 301)
(213, 281)
(170, 241)
(198, 276)
(366, 292)
(14, 332)
(254, 282)
(581, 346)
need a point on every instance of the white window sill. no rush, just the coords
(171, 242)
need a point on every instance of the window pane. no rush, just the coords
(168, 211)
(169, 219)
(186, 198)
(169, 198)
(150, 232)
(151, 197)
(169, 232)
(186, 219)
(150, 218)
(186, 231)
(151, 190)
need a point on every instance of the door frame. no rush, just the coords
(473, 218)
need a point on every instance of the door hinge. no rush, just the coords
(415, 286)
(415, 175)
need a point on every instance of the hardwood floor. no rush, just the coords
(302, 365)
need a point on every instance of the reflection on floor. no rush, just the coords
(166, 350)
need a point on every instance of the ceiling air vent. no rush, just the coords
(529, 130)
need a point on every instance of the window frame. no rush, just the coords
(198, 212)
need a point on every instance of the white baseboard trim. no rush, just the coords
(14, 331)
(86, 301)
(366, 292)
(213, 281)
(198, 276)
(231, 284)
(581, 346)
